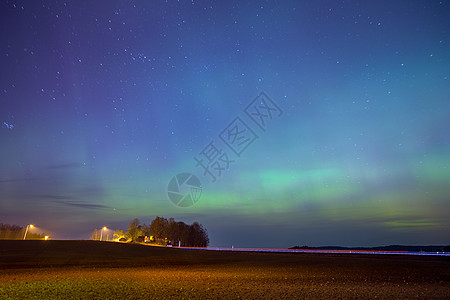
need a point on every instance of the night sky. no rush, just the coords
(305, 122)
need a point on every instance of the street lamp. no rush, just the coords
(26, 230)
(101, 232)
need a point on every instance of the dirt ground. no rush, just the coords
(100, 270)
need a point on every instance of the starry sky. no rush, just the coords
(337, 111)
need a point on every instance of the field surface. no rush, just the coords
(102, 270)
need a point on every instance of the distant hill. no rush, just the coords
(433, 248)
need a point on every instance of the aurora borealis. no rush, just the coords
(103, 102)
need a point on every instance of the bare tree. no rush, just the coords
(95, 235)
(11, 232)
(119, 233)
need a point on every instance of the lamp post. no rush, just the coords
(101, 232)
(26, 231)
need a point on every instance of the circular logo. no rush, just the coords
(184, 189)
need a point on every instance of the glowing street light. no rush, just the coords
(45, 237)
(26, 230)
(101, 232)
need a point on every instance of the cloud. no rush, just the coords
(409, 224)
(82, 204)
(71, 201)
(16, 180)
(57, 197)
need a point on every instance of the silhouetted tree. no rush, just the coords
(183, 230)
(134, 230)
(198, 237)
(158, 228)
(194, 235)
(145, 230)
(172, 231)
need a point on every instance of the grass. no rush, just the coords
(101, 270)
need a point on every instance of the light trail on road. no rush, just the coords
(320, 251)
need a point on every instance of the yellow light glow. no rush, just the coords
(104, 228)
(46, 237)
(31, 225)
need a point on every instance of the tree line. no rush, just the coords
(166, 231)
(15, 232)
